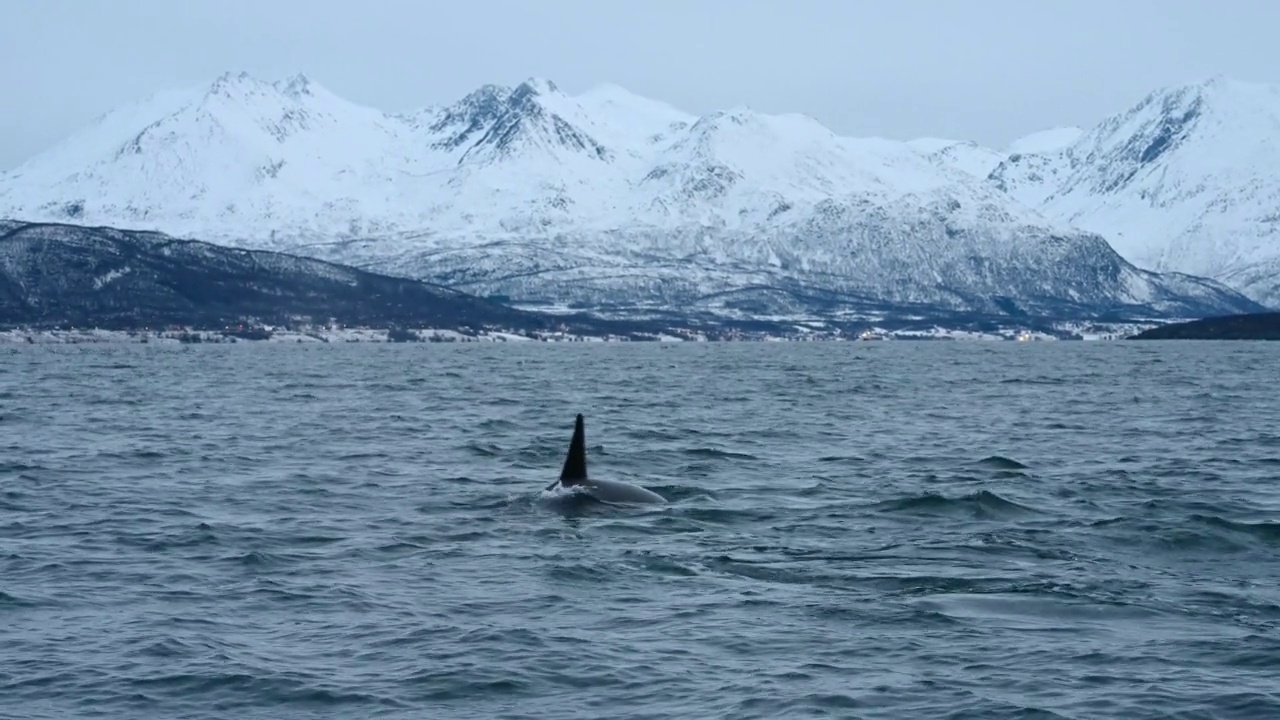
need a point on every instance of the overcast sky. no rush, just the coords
(985, 70)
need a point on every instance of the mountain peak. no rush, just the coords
(1216, 79)
(531, 92)
(1183, 180)
(296, 86)
(1218, 82)
(538, 86)
(1218, 112)
(1216, 89)
(231, 76)
(719, 119)
(229, 80)
(495, 122)
(237, 87)
(485, 98)
(470, 115)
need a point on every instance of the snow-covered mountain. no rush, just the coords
(602, 198)
(965, 155)
(1187, 180)
(1045, 141)
(980, 161)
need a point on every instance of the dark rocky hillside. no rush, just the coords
(1253, 326)
(57, 275)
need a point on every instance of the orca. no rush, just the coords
(574, 475)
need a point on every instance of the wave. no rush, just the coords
(1000, 462)
(8, 600)
(1268, 532)
(719, 454)
(255, 690)
(842, 459)
(363, 456)
(1196, 532)
(983, 503)
(18, 467)
(483, 449)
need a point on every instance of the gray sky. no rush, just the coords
(985, 70)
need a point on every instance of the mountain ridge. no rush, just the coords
(604, 198)
(1184, 180)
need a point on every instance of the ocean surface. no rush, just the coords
(856, 530)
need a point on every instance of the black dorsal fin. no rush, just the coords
(575, 463)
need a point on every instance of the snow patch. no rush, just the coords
(1045, 141)
(111, 276)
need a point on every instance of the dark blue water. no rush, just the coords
(859, 530)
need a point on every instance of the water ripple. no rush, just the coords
(891, 530)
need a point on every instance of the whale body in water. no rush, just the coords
(574, 475)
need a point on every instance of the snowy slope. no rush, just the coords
(1045, 141)
(980, 161)
(239, 158)
(964, 155)
(601, 198)
(1186, 180)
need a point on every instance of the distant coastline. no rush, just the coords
(383, 335)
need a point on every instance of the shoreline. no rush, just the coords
(331, 335)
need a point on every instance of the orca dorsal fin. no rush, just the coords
(575, 463)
